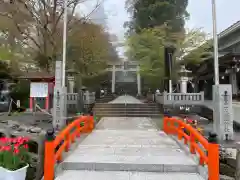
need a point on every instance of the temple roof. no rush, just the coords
(226, 60)
(38, 76)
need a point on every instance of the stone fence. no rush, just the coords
(166, 98)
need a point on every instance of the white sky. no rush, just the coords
(200, 14)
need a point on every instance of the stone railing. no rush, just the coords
(88, 98)
(180, 98)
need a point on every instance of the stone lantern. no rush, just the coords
(185, 76)
(71, 79)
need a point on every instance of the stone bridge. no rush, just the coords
(135, 148)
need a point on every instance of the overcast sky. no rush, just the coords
(200, 14)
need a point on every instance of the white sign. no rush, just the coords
(39, 89)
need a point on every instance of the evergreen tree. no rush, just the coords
(152, 13)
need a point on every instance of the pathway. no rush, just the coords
(126, 100)
(128, 149)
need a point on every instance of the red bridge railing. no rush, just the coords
(208, 152)
(55, 147)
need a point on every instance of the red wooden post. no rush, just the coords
(192, 142)
(49, 158)
(47, 103)
(31, 103)
(47, 99)
(213, 158)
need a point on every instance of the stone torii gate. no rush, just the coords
(124, 66)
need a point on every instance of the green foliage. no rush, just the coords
(152, 13)
(5, 53)
(21, 92)
(194, 46)
(147, 47)
(88, 52)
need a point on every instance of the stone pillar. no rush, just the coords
(223, 111)
(237, 172)
(183, 84)
(71, 84)
(59, 101)
(139, 81)
(233, 82)
(113, 78)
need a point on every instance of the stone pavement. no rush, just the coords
(126, 100)
(128, 149)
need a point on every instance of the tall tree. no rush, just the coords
(147, 47)
(152, 13)
(88, 49)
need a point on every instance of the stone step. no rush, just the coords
(121, 175)
(126, 111)
(105, 105)
(129, 163)
(128, 115)
(126, 107)
(124, 115)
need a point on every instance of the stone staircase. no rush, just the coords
(126, 110)
(105, 99)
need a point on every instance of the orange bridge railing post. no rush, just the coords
(165, 124)
(49, 158)
(91, 123)
(213, 158)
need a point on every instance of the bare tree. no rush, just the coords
(37, 25)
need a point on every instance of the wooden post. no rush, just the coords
(31, 103)
(192, 141)
(47, 98)
(91, 125)
(180, 131)
(68, 139)
(165, 124)
(49, 157)
(213, 158)
(47, 103)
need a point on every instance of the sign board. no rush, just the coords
(223, 111)
(38, 89)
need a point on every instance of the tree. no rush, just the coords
(195, 45)
(147, 47)
(152, 13)
(88, 50)
(37, 24)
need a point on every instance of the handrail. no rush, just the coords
(54, 147)
(208, 152)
